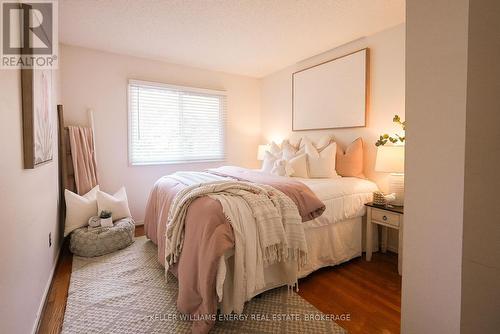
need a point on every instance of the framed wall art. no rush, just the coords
(38, 122)
(331, 95)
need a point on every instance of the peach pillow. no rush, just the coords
(350, 161)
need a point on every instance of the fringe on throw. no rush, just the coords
(279, 252)
(291, 286)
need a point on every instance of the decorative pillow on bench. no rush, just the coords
(79, 209)
(117, 204)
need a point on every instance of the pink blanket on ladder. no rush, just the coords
(81, 141)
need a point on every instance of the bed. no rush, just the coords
(332, 238)
(335, 236)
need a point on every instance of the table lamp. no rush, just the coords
(391, 159)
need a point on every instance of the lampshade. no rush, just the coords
(390, 159)
(261, 150)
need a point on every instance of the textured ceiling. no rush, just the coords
(249, 37)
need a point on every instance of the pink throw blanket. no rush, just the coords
(82, 153)
(208, 236)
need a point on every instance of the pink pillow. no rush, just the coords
(350, 162)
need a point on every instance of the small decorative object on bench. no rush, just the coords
(106, 220)
(102, 240)
(94, 221)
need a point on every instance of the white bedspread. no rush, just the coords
(344, 198)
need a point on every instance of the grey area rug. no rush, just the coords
(126, 292)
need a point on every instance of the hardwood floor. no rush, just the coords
(370, 292)
(53, 312)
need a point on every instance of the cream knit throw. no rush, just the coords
(279, 227)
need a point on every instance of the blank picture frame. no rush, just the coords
(332, 94)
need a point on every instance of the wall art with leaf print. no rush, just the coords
(38, 122)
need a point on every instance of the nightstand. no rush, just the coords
(388, 217)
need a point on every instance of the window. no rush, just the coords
(172, 124)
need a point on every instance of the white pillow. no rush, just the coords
(287, 161)
(321, 164)
(298, 164)
(323, 142)
(79, 209)
(268, 162)
(282, 168)
(274, 148)
(117, 204)
(295, 140)
(288, 151)
(304, 141)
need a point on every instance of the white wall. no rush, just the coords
(98, 80)
(481, 237)
(387, 97)
(29, 211)
(436, 79)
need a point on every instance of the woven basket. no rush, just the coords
(378, 198)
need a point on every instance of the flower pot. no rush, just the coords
(107, 222)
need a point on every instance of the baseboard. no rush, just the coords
(392, 249)
(46, 292)
(139, 223)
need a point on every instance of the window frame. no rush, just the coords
(189, 89)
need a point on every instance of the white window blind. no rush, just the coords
(172, 124)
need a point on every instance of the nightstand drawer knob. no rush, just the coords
(384, 217)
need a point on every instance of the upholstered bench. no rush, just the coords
(90, 242)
